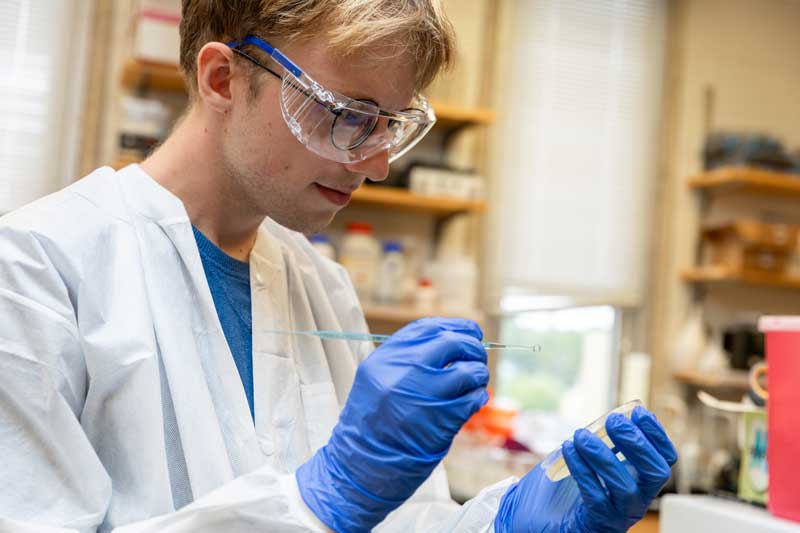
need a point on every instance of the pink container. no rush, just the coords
(783, 414)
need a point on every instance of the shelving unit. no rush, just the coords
(747, 181)
(717, 275)
(731, 379)
(402, 200)
(740, 181)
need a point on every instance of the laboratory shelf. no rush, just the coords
(452, 117)
(137, 74)
(121, 162)
(730, 379)
(721, 275)
(402, 314)
(401, 199)
(748, 180)
(393, 198)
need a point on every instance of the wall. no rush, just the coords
(746, 55)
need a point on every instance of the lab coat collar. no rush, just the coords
(149, 198)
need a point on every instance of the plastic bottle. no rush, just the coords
(360, 255)
(322, 244)
(456, 282)
(391, 273)
(425, 296)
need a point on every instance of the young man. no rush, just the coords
(143, 386)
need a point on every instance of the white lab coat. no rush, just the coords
(119, 399)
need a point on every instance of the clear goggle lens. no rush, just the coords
(345, 130)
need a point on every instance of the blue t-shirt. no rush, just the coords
(229, 281)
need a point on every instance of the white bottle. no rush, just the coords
(425, 296)
(391, 273)
(322, 244)
(360, 255)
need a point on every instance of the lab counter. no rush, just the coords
(706, 514)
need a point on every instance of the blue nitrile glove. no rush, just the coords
(613, 495)
(409, 399)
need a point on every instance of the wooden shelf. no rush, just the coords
(748, 180)
(158, 76)
(402, 314)
(730, 379)
(721, 275)
(121, 162)
(401, 199)
(393, 198)
(450, 117)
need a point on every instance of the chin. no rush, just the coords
(305, 223)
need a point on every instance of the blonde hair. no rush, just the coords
(420, 27)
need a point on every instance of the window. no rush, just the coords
(569, 380)
(43, 45)
(574, 148)
(578, 98)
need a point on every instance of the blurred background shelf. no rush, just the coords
(122, 161)
(392, 198)
(731, 379)
(718, 275)
(402, 314)
(138, 74)
(407, 201)
(748, 180)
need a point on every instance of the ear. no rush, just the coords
(215, 70)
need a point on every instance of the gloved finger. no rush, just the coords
(442, 349)
(621, 485)
(652, 469)
(655, 433)
(428, 344)
(592, 491)
(458, 379)
(475, 399)
(450, 346)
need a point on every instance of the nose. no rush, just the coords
(375, 168)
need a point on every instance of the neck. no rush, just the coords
(189, 164)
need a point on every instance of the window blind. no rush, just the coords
(575, 150)
(43, 45)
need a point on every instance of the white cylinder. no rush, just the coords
(360, 255)
(391, 274)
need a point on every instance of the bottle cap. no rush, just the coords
(392, 246)
(319, 238)
(359, 227)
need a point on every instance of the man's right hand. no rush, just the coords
(409, 399)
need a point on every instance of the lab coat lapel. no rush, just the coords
(217, 435)
(278, 404)
(291, 296)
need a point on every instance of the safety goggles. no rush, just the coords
(335, 126)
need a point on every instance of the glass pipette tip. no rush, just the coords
(377, 339)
